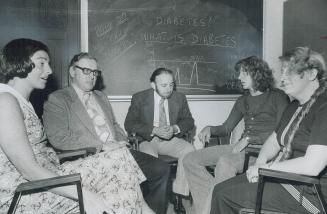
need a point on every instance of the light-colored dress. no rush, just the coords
(113, 175)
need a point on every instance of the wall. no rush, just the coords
(204, 112)
(214, 110)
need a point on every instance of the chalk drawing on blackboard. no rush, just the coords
(192, 81)
(199, 40)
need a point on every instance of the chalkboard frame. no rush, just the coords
(190, 97)
(215, 97)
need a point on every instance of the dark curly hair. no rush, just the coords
(259, 71)
(16, 57)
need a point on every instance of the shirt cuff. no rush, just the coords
(176, 129)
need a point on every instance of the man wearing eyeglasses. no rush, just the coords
(79, 116)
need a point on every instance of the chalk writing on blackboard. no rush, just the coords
(199, 40)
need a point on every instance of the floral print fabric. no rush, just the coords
(113, 175)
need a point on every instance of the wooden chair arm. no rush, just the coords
(134, 141)
(48, 183)
(253, 150)
(218, 140)
(64, 155)
(288, 176)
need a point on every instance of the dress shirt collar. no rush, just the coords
(157, 97)
(80, 93)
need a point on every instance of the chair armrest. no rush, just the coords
(288, 176)
(46, 184)
(217, 140)
(253, 150)
(64, 155)
(41, 185)
(134, 140)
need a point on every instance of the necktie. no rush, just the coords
(99, 123)
(162, 113)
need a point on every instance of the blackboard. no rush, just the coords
(305, 24)
(200, 40)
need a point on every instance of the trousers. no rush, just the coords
(200, 181)
(176, 147)
(155, 188)
(230, 196)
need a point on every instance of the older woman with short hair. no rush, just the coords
(298, 145)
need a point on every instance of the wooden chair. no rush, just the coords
(267, 175)
(37, 186)
(134, 140)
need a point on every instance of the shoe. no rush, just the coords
(178, 204)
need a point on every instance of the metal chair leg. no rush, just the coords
(14, 202)
(246, 163)
(320, 197)
(259, 194)
(80, 197)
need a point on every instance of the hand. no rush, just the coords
(164, 132)
(252, 174)
(205, 134)
(93, 203)
(240, 145)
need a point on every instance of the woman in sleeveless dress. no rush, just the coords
(110, 179)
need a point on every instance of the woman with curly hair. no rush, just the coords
(297, 145)
(260, 107)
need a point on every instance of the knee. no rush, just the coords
(188, 160)
(224, 162)
(224, 165)
(162, 169)
(187, 150)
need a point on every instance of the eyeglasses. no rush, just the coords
(87, 71)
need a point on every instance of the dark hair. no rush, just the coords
(159, 71)
(16, 57)
(80, 56)
(259, 71)
(302, 59)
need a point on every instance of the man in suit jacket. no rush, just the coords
(69, 126)
(144, 117)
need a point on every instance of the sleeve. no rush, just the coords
(233, 119)
(185, 120)
(133, 122)
(318, 127)
(56, 118)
